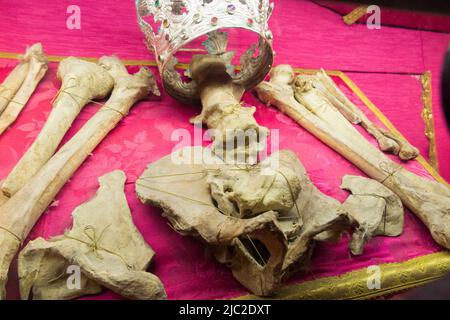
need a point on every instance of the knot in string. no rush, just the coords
(94, 243)
(390, 172)
(8, 99)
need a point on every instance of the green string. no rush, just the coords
(94, 243)
(73, 95)
(247, 168)
(176, 195)
(194, 200)
(10, 100)
(390, 172)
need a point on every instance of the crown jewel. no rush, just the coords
(178, 22)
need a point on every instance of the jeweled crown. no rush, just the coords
(179, 22)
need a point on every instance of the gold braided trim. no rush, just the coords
(428, 119)
(353, 285)
(355, 15)
(395, 276)
(11, 55)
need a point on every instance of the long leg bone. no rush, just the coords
(15, 79)
(21, 212)
(429, 200)
(387, 141)
(36, 71)
(82, 81)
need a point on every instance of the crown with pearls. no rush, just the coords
(182, 21)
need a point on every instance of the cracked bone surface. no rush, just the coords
(82, 81)
(19, 214)
(103, 242)
(373, 209)
(14, 80)
(263, 249)
(232, 125)
(37, 67)
(428, 199)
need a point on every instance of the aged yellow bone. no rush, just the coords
(326, 87)
(222, 111)
(372, 209)
(82, 81)
(20, 213)
(428, 199)
(263, 248)
(37, 67)
(103, 242)
(14, 80)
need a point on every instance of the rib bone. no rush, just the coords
(373, 209)
(82, 81)
(21, 212)
(428, 199)
(36, 71)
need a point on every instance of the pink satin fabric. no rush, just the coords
(307, 36)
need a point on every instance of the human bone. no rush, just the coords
(103, 242)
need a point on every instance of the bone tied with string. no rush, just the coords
(303, 102)
(103, 243)
(19, 85)
(260, 221)
(82, 81)
(19, 214)
(372, 209)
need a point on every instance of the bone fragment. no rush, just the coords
(103, 243)
(37, 67)
(387, 141)
(82, 81)
(233, 128)
(428, 199)
(242, 193)
(373, 209)
(20, 213)
(14, 80)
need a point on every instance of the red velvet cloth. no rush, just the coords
(306, 35)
